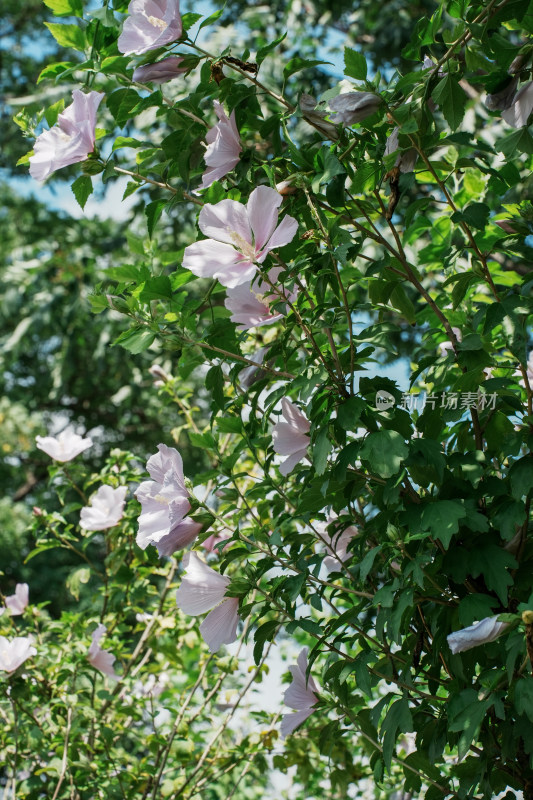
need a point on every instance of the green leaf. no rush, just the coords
(128, 141)
(153, 213)
(349, 413)
(400, 300)
(67, 35)
(493, 562)
(354, 64)
(156, 288)
(211, 19)
(467, 712)
(75, 580)
(189, 19)
(451, 99)
(121, 104)
(442, 519)
(214, 382)
(384, 451)
(297, 64)
(519, 141)
(523, 697)
(476, 215)
(521, 477)
(321, 450)
(65, 8)
(398, 718)
(136, 340)
(264, 51)
(82, 188)
(54, 70)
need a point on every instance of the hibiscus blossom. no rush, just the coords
(224, 147)
(100, 659)
(290, 438)
(203, 589)
(70, 140)
(14, 652)
(64, 447)
(105, 509)
(521, 107)
(240, 237)
(16, 603)
(151, 24)
(353, 107)
(250, 302)
(160, 72)
(337, 547)
(165, 503)
(301, 695)
(480, 633)
(406, 160)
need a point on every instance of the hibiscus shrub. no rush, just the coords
(379, 518)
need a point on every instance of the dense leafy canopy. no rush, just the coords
(347, 510)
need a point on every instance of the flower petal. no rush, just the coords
(212, 259)
(284, 233)
(201, 588)
(262, 208)
(179, 537)
(290, 722)
(480, 633)
(220, 626)
(225, 222)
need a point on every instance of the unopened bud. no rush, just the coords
(527, 617)
(286, 187)
(159, 373)
(37, 512)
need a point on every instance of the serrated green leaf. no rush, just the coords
(442, 519)
(153, 213)
(384, 451)
(354, 64)
(67, 35)
(264, 51)
(82, 188)
(65, 8)
(451, 99)
(136, 340)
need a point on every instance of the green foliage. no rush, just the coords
(404, 515)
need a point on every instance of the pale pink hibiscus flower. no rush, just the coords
(313, 113)
(249, 376)
(521, 107)
(353, 107)
(70, 140)
(203, 589)
(18, 602)
(480, 633)
(337, 546)
(406, 160)
(165, 503)
(14, 652)
(240, 237)
(160, 72)
(250, 302)
(223, 146)
(64, 447)
(100, 659)
(151, 24)
(291, 436)
(105, 509)
(301, 695)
